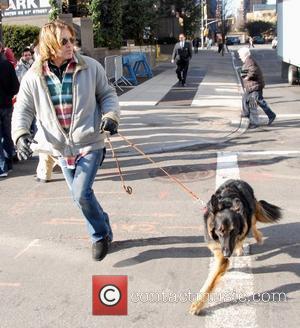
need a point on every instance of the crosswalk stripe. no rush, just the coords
(237, 283)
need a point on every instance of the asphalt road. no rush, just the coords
(46, 268)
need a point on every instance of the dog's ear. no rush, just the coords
(214, 203)
(236, 204)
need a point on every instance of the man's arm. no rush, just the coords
(174, 54)
(106, 96)
(24, 112)
(190, 50)
(14, 82)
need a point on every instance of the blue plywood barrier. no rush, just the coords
(136, 65)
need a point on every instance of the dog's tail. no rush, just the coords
(267, 213)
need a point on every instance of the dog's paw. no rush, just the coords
(196, 307)
(239, 252)
(259, 239)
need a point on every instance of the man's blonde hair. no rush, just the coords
(49, 38)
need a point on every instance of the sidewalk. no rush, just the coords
(159, 115)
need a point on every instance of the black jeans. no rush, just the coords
(182, 69)
(6, 143)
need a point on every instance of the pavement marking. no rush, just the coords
(10, 284)
(226, 90)
(227, 167)
(236, 283)
(137, 103)
(220, 83)
(269, 152)
(31, 244)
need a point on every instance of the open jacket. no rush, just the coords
(93, 99)
(252, 75)
(184, 53)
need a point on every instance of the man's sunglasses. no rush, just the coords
(64, 41)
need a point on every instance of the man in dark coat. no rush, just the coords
(253, 83)
(182, 53)
(9, 86)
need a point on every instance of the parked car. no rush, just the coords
(258, 39)
(231, 40)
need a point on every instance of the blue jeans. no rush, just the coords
(6, 143)
(250, 111)
(80, 181)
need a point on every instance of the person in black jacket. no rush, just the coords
(183, 53)
(9, 86)
(253, 82)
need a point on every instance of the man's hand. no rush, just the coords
(109, 125)
(23, 146)
(172, 61)
(252, 102)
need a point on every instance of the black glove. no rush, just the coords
(109, 125)
(23, 146)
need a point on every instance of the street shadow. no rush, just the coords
(165, 253)
(155, 241)
(196, 171)
(279, 239)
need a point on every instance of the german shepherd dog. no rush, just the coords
(230, 214)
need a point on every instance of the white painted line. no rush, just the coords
(10, 284)
(219, 83)
(284, 116)
(137, 103)
(226, 90)
(31, 244)
(234, 284)
(227, 168)
(218, 97)
(269, 152)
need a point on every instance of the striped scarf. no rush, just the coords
(62, 99)
(61, 93)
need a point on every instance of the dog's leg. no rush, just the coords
(256, 233)
(221, 266)
(239, 248)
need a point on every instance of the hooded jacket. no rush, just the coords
(93, 100)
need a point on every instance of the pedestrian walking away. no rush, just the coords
(75, 107)
(250, 40)
(182, 53)
(253, 83)
(196, 44)
(9, 86)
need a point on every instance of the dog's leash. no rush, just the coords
(128, 189)
(174, 179)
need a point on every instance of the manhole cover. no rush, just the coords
(185, 173)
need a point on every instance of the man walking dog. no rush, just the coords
(182, 53)
(70, 96)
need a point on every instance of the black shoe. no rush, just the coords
(271, 120)
(100, 249)
(183, 83)
(41, 180)
(252, 126)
